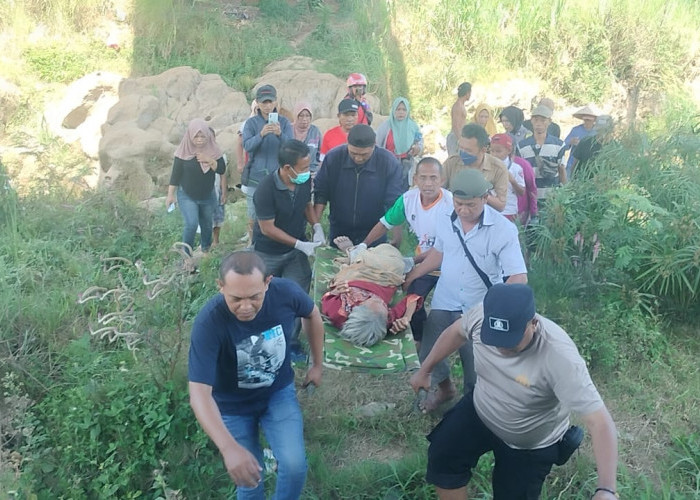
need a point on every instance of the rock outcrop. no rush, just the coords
(143, 129)
(132, 126)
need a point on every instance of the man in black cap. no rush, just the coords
(263, 134)
(360, 182)
(530, 375)
(347, 119)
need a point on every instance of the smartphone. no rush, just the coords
(273, 118)
(171, 207)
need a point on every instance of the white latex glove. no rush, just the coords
(319, 237)
(408, 264)
(352, 253)
(307, 247)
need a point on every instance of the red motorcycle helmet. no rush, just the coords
(356, 79)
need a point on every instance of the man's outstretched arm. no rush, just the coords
(241, 465)
(603, 433)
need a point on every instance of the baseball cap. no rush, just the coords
(266, 93)
(469, 183)
(507, 311)
(504, 140)
(542, 110)
(348, 105)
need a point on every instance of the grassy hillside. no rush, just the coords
(95, 308)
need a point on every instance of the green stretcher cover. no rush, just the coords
(396, 353)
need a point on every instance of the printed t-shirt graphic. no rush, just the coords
(260, 357)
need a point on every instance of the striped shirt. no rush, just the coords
(545, 159)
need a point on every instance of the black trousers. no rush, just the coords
(461, 438)
(422, 287)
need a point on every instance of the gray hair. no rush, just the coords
(364, 326)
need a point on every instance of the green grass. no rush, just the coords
(115, 422)
(55, 254)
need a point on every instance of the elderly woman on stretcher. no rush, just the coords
(359, 296)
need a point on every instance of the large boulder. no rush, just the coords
(142, 130)
(296, 79)
(133, 126)
(82, 108)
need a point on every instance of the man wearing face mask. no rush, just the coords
(283, 206)
(472, 154)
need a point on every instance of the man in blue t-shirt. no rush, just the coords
(240, 376)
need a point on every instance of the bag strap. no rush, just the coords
(478, 270)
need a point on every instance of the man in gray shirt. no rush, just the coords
(530, 375)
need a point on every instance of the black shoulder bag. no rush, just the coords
(478, 270)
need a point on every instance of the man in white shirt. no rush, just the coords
(494, 248)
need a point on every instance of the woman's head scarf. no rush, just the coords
(187, 149)
(490, 122)
(300, 133)
(404, 131)
(515, 116)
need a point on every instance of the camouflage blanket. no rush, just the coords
(396, 353)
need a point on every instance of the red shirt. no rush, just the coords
(361, 114)
(391, 146)
(362, 111)
(332, 138)
(338, 307)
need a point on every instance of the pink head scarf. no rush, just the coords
(300, 133)
(187, 149)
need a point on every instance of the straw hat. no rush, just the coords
(586, 110)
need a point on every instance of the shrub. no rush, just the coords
(105, 434)
(633, 224)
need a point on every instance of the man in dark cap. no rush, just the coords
(347, 119)
(530, 376)
(263, 134)
(475, 248)
(360, 182)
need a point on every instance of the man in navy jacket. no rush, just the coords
(360, 182)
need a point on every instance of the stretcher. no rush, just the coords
(396, 353)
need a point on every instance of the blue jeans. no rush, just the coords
(196, 213)
(283, 426)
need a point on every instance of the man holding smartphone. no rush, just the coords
(263, 134)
